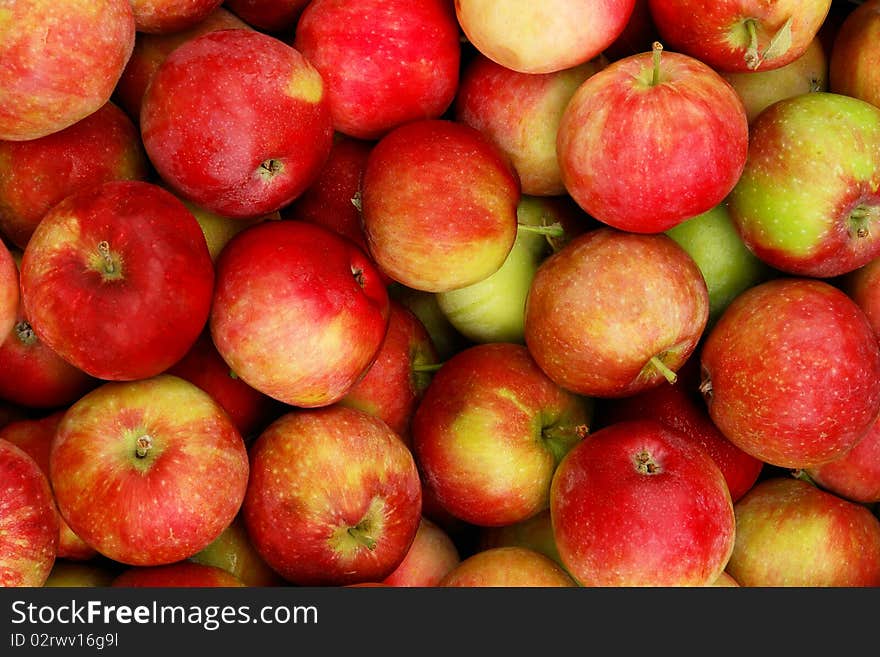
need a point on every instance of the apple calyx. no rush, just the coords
(348, 540)
(362, 536)
(270, 168)
(358, 274)
(357, 202)
(860, 219)
(25, 334)
(107, 262)
(645, 463)
(705, 387)
(143, 445)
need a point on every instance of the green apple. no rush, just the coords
(446, 338)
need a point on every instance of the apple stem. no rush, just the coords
(656, 49)
(661, 367)
(104, 251)
(551, 230)
(802, 475)
(25, 333)
(426, 367)
(143, 445)
(753, 57)
(358, 534)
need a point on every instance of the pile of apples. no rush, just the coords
(472, 293)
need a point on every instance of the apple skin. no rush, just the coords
(237, 122)
(520, 113)
(432, 555)
(29, 522)
(117, 280)
(168, 16)
(590, 303)
(183, 574)
(855, 54)
(489, 432)
(415, 176)
(218, 230)
(38, 173)
(719, 34)
(446, 338)
(272, 16)
(643, 156)
(334, 497)
(862, 285)
(10, 291)
(299, 312)
(234, 552)
(636, 504)
(384, 62)
(790, 533)
(51, 76)
(511, 566)
(80, 574)
(808, 201)
(854, 476)
(148, 472)
(535, 533)
(791, 372)
(544, 37)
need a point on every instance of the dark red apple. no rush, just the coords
(273, 16)
(168, 16)
(854, 476)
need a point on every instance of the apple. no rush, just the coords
(148, 472)
(237, 122)
(10, 292)
(636, 504)
(808, 201)
(855, 54)
(652, 140)
(862, 285)
(234, 552)
(489, 432)
(447, 339)
(299, 312)
(51, 77)
(38, 173)
(854, 476)
(507, 567)
(218, 229)
(384, 62)
(175, 575)
(117, 280)
(334, 497)
(167, 16)
(273, 16)
(395, 382)
(791, 372)
(745, 35)
(544, 37)
(432, 555)
(535, 533)
(438, 205)
(28, 522)
(725, 580)
(613, 312)
(760, 89)
(80, 574)
(520, 113)
(790, 533)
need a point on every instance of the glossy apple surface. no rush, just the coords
(510, 566)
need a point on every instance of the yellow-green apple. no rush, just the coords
(234, 552)
(237, 122)
(791, 372)
(808, 201)
(334, 497)
(273, 16)
(511, 566)
(542, 37)
(791, 533)
(148, 472)
(520, 113)
(493, 309)
(438, 205)
(182, 574)
(80, 574)
(218, 229)
(854, 476)
(28, 520)
(725, 580)
(535, 533)
(727, 264)
(10, 291)
(446, 338)
(855, 54)
(38, 173)
(651, 140)
(431, 556)
(396, 380)
(680, 406)
(384, 62)
(636, 504)
(117, 280)
(34, 436)
(150, 50)
(168, 16)
(489, 432)
(59, 62)
(615, 312)
(760, 89)
(299, 312)
(740, 35)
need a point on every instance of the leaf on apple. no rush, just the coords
(779, 44)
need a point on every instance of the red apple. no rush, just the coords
(117, 280)
(384, 62)
(652, 140)
(80, 574)
(489, 432)
(790, 533)
(854, 476)
(743, 35)
(636, 504)
(175, 575)
(439, 205)
(431, 556)
(542, 37)
(855, 55)
(507, 567)
(148, 472)
(218, 229)
(334, 497)
(299, 312)
(273, 16)
(38, 173)
(28, 520)
(10, 291)
(862, 285)
(234, 552)
(791, 372)
(167, 16)
(51, 75)
(613, 313)
(237, 122)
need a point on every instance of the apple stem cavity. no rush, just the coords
(270, 168)
(143, 445)
(25, 333)
(645, 463)
(360, 535)
(656, 50)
